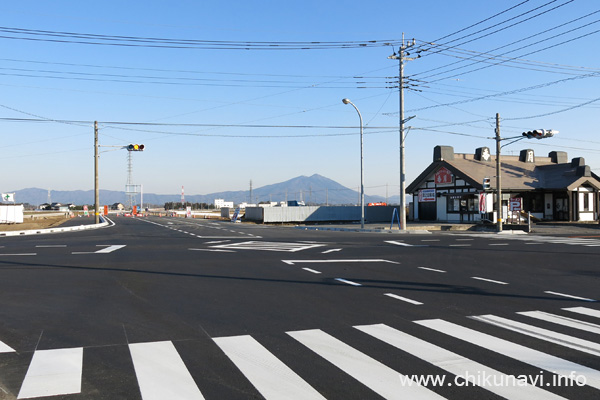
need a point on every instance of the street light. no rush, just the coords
(362, 174)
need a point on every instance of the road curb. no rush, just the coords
(106, 223)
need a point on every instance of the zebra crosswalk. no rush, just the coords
(538, 239)
(161, 371)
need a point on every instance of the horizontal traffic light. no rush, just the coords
(135, 147)
(539, 133)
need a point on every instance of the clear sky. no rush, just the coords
(251, 90)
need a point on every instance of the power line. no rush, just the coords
(136, 41)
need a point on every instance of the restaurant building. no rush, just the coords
(451, 188)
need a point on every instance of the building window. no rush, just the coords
(586, 202)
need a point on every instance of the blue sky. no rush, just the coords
(273, 111)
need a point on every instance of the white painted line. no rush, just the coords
(20, 254)
(161, 373)
(271, 377)
(540, 333)
(378, 377)
(524, 354)
(585, 311)
(498, 244)
(565, 321)
(330, 251)
(404, 244)
(312, 270)
(216, 241)
(430, 240)
(50, 245)
(53, 373)
(347, 282)
(292, 262)
(432, 269)
(569, 296)
(395, 296)
(111, 248)
(4, 348)
(459, 245)
(455, 364)
(215, 250)
(489, 280)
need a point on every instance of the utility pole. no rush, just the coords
(498, 175)
(96, 187)
(401, 57)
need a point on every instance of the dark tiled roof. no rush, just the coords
(516, 175)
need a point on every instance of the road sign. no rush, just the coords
(516, 204)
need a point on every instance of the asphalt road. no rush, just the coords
(167, 308)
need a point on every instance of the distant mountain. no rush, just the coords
(315, 189)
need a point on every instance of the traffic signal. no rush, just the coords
(539, 133)
(487, 184)
(135, 147)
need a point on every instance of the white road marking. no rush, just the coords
(347, 282)
(20, 254)
(433, 269)
(454, 363)
(560, 320)
(111, 248)
(489, 280)
(106, 250)
(459, 245)
(53, 373)
(569, 296)
(312, 270)
(271, 377)
(50, 245)
(540, 333)
(4, 348)
(161, 373)
(395, 296)
(292, 262)
(585, 311)
(498, 244)
(268, 246)
(404, 244)
(376, 376)
(215, 250)
(330, 251)
(524, 354)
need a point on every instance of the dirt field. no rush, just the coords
(38, 223)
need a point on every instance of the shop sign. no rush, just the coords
(426, 195)
(443, 176)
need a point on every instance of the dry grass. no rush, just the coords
(38, 223)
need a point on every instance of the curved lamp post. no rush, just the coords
(362, 175)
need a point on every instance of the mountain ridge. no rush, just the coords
(314, 189)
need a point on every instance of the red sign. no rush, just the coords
(443, 175)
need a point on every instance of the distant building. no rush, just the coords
(219, 203)
(117, 207)
(551, 188)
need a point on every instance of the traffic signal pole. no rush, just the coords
(96, 187)
(498, 176)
